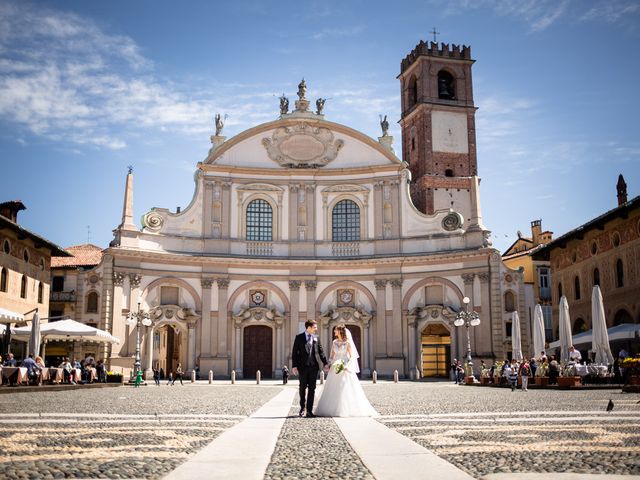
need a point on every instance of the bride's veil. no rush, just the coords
(354, 353)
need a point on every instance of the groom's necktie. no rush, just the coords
(309, 349)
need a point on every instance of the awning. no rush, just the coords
(624, 331)
(67, 330)
(7, 316)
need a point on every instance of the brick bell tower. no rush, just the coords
(438, 128)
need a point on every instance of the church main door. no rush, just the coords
(257, 351)
(436, 348)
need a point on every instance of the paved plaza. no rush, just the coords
(425, 430)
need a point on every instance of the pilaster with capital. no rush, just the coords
(381, 314)
(223, 286)
(394, 330)
(310, 286)
(378, 217)
(226, 209)
(294, 315)
(205, 333)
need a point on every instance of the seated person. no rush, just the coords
(66, 370)
(33, 370)
(10, 361)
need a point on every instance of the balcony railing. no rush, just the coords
(260, 248)
(345, 249)
(63, 296)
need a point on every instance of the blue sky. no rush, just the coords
(88, 88)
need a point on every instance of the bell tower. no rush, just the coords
(438, 127)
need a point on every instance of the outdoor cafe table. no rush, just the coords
(53, 375)
(14, 375)
(596, 370)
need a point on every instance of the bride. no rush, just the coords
(342, 395)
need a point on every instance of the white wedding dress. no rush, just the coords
(343, 395)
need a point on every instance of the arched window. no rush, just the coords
(40, 292)
(259, 221)
(3, 279)
(509, 302)
(446, 86)
(576, 284)
(622, 316)
(345, 223)
(92, 302)
(579, 326)
(619, 274)
(559, 290)
(448, 172)
(596, 277)
(23, 287)
(413, 92)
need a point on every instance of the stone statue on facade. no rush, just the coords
(320, 105)
(284, 105)
(384, 125)
(302, 90)
(219, 124)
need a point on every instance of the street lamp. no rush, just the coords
(467, 318)
(140, 317)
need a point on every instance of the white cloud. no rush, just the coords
(338, 32)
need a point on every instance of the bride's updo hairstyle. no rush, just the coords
(342, 330)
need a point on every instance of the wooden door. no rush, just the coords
(257, 351)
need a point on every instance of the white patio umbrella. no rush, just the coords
(538, 331)
(600, 342)
(68, 330)
(516, 342)
(565, 329)
(34, 338)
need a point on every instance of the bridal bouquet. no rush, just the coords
(338, 366)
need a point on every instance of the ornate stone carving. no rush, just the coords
(223, 283)
(118, 278)
(310, 284)
(152, 221)
(452, 221)
(484, 277)
(344, 314)
(396, 282)
(258, 314)
(258, 187)
(206, 282)
(135, 279)
(302, 146)
(294, 284)
(380, 284)
(467, 278)
(345, 188)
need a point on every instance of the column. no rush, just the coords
(310, 286)
(394, 345)
(279, 349)
(191, 345)
(238, 349)
(486, 325)
(366, 347)
(148, 363)
(413, 344)
(134, 293)
(294, 315)
(223, 286)
(205, 331)
(381, 320)
(119, 329)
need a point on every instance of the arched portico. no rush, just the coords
(422, 320)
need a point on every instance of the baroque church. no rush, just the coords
(303, 218)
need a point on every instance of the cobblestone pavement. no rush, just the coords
(116, 432)
(313, 448)
(490, 430)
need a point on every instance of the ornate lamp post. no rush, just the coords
(467, 318)
(138, 318)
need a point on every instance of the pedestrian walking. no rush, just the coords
(512, 374)
(285, 375)
(178, 375)
(170, 377)
(156, 376)
(525, 372)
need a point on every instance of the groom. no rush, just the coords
(306, 358)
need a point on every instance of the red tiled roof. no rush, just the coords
(86, 255)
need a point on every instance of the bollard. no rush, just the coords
(374, 377)
(233, 377)
(258, 377)
(418, 373)
(321, 377)
(210, 376)
(193, 376)
(395, 376)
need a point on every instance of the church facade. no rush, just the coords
(303, 218)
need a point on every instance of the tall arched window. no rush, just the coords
(259, 221)
(446, 85)
(345, 221)
(413, 91)
(40, 292)
(23, 287)
(596, 277)
(3, 279)
(92, 302)
(619, 274)
(509, 302)
(559, 290)
(579, 326)
(576, 284)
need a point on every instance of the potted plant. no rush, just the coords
(568, 377)
(631, 374)
(542, 374)
(114, 377)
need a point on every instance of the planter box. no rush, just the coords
(542, 381)
(114, 378)
(485, 380)
(469, 380)
(634, 380)
(569, 381)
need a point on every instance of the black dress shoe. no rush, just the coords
(301, 414)
(310, 415)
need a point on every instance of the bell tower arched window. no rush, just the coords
(345, 221)
(576, 282)
(446, 86)
(413, 92)
(259, 221)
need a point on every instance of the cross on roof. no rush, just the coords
(434, 34)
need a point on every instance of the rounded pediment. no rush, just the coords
(302, 146)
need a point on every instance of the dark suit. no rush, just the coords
(308, 360)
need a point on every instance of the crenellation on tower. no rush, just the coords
(435, 49)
